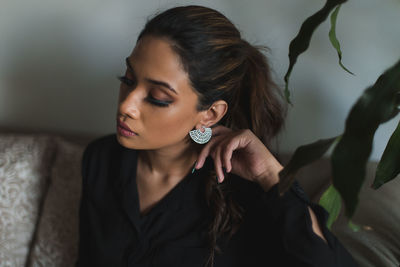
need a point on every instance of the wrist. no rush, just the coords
(270, 178)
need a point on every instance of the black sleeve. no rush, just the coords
(84, 232)
(301, 246)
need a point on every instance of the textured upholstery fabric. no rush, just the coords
(57, 232)
(25, 162)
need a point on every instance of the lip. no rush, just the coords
(124, 129)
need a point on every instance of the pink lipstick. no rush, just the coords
(124, 129)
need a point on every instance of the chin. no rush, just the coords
(123, 141)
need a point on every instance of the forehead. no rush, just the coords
(157, 52)
(154, 58)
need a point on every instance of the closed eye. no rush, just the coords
(150, 99)
(125, 80)
(158, 102)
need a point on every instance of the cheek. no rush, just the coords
(170, 124)
(121, 95)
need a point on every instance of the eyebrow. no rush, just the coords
(164, 84)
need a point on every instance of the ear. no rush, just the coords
(212, 115)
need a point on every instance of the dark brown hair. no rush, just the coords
(221, 65)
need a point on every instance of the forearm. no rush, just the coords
(271, 178)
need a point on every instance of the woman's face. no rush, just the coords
(156, 100)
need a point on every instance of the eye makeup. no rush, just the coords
(125, 80)
(158, 102)
(149, 98)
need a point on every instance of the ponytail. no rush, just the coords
(257, 103)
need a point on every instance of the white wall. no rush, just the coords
(59, 60)
(322, 92)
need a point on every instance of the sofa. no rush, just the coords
(40, 187)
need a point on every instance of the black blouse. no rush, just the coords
(275, 231)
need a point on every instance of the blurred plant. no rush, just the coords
(351, 150)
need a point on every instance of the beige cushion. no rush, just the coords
(25, 162)
(57, 235)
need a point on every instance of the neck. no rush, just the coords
(173, 161)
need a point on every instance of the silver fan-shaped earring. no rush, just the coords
(201, 137)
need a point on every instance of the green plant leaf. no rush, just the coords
(332, 202)
(376, 105)
(389, 165)
(302, 40)
(353, 226)
(302, 156)
(334, 40)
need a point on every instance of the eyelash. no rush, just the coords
(149, 98)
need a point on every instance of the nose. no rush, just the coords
(129, 103)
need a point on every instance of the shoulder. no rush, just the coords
(102, 143)
(102, 146)
(100, 151)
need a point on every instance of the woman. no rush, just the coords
(188, 180)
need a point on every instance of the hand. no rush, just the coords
(251, 160)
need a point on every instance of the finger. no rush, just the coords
(218, 164)
(233, 144)
(219, 129)
(227, 155)
(205, 151)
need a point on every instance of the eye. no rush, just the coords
(157, 102)
(126, 81)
